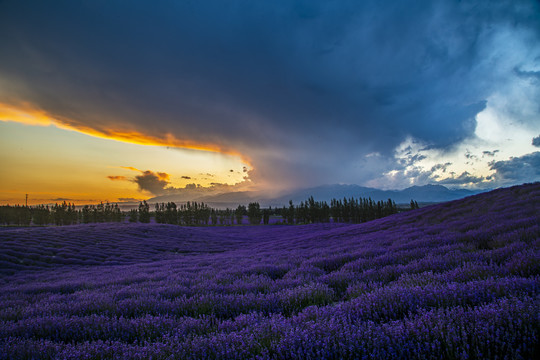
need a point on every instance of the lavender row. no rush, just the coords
(507, 328)
(456, 280)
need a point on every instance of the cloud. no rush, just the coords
(130, 168)
(195, 191)
(464, 179)
(470, 156)
(153, 182)
(536, 141)
(61, 199)
(116, 177)
(161, 175)
(186, 177)
(294, 81)
(489, 153)
(128, 199)
(158, 184)
(534, 75)
(441, 167)
(525, 168)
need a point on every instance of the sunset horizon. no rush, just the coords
(95, 106)
(279, 179)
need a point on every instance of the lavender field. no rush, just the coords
(459, 280)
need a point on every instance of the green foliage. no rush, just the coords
(239, 213)
(254, 213)
(59, 214)
(41, 215)
(360, 210)
(133, 215)
(266, 216)
(144, 212)
(197, 214)
(15, 215)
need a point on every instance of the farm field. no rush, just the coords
(458, 280)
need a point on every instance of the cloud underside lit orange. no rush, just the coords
(116, 177)
(28, 114)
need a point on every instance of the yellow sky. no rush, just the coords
(51, 163)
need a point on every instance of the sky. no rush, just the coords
(116, 101)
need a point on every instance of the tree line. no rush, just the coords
(60, 214)
(194, 213)
(346, 210)
(350, 210)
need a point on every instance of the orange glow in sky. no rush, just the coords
(52, 160)
(25, 113)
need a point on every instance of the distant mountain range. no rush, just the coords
(421, 194)
(426, 193)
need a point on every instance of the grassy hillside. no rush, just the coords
(453, 280)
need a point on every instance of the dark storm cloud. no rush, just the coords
(525, 168)
(153, 182)
(536, 141)
(303, 88)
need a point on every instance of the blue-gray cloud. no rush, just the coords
(525, 168)
(536, 141)
(442, 167)
(489, 153)
(305, 88)
(465, 178)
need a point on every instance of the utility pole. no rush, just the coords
(26, 200)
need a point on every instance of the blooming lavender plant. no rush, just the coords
(456, 280)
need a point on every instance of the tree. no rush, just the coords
(171, 213)
(117, 214)
(254, 213)
(144, 212)
(133, 215)
(266, 216)
(41, 215)
(158, 213)
(239, 213)
(214, 216)
(290, 213)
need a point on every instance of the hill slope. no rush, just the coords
(445, 281)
